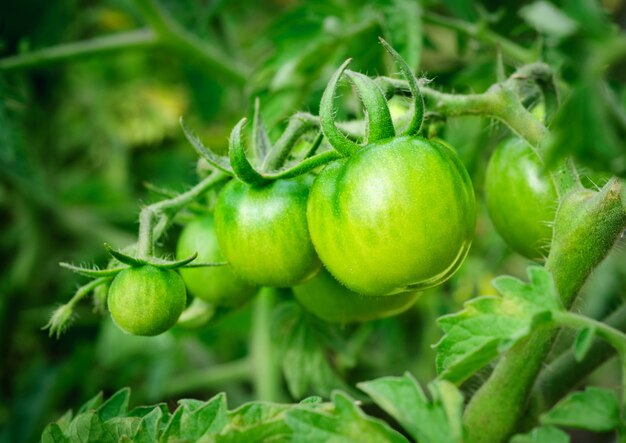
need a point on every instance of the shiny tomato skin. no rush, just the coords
(327, 299)
(521, 199)
(397, 215)
(262, 231)
(146, 300)
(217, 285)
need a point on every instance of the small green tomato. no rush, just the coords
(217, 285)
(521, 198)
(262, 231)
(146, 300)
(327, 299)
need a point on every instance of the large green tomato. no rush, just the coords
(262, 231)
(217, 285)
(520, 198)
(397, 215)
(327, 299)
(146, 300)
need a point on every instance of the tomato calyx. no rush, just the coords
(239, 165)
(378, 122)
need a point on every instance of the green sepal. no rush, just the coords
(314, 146)
(262, 144)
(159, 263)
(239, 162)
(378, 122)
(90, 272)
(417, 120)
(123, 258)
(248, 174)
(60, 320)
(336, 139)
(218, 161)
(205, 264)
(165, 264)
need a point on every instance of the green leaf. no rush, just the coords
(583, 342)
(546, 434)
(120, 427)
(303, 353)
(436, 421)
(548, 19)
(65, 421)
(91, 404)
(150, 426)
(88, 427)
(143, 411)
(205, 418)
(115, 406)
(491, 325)
(342, 424)
(193, 419)
(53, 434)
(595, 409)
(256, 422)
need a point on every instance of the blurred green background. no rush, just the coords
(79, 138)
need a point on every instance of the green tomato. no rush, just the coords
(327, 299)
(397, 215)
(262, 231)
(217, 285)
(520, 198)
(146, 300)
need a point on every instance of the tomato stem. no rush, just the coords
(163, 30)
(613, 336)
(565, 373)
(266, 374)
(137, 39)
(154, 219)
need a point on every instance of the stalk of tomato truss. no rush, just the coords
(154, 220)
(502, 101)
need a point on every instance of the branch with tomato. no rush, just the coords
(352, 221)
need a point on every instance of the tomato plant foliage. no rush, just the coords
(349, 265)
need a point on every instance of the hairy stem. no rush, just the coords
(209, 378)
(139, 39)
(298, 125)
(265, 368)
(615, 337)
(154, 219)
(565, 373)
(503, 101)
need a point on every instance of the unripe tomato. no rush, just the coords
(327, 299)
(520, 198)
(217, 285)
(146, 300)
(262, 231)
(398, 214)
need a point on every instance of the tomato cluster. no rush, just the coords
(355, 239)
